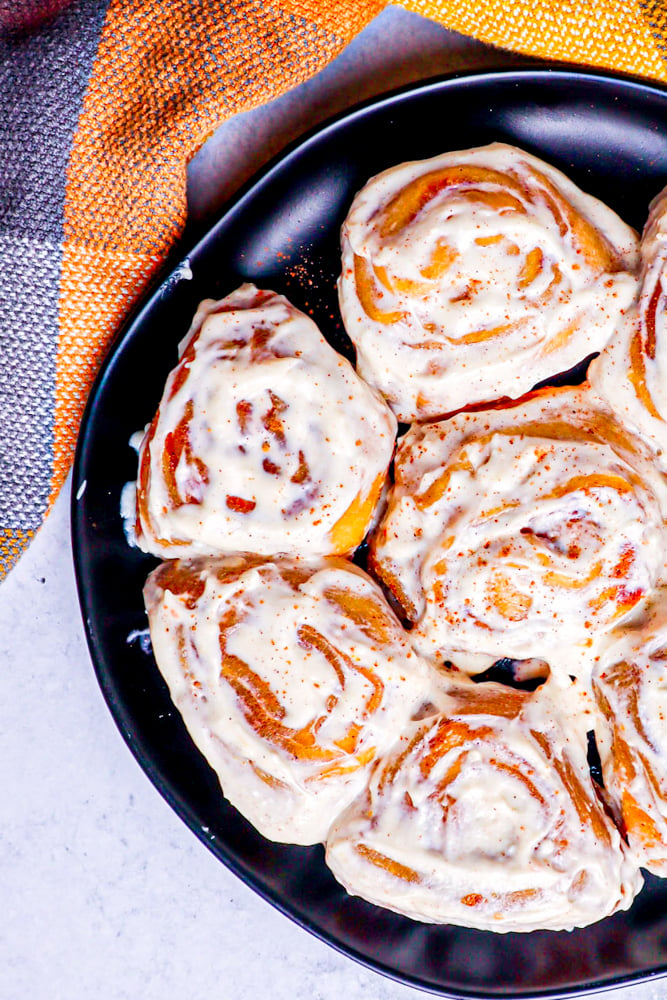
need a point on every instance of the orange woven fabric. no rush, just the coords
(121, 215)
(160, 77)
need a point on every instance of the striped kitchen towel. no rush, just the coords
(104, 102)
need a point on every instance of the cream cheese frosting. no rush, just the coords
(520, 529)
(527, 529)
(630, 683)
(487, 818)
(291, 680)
(265, 439)
(476, 274)
(631, 372)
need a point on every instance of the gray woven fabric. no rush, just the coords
(43, 77)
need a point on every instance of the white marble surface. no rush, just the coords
(104, 893)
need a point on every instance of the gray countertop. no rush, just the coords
(104, 892)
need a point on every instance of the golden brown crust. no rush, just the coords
(475, 275)
(629, 685)
(527, 526)
(292, 677)
(486, 816)
(265, 439)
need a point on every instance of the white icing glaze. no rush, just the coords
(522, 529)
(631, 373)
(290, 681)
(472, 804)
(128, 512)
(630, 681)
(486, 816)
(476, 274)
(265, 440)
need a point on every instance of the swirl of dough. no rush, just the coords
(521, 528)
(486, 816)
(631, 372)
(266, 440)
(630, 684)
(291, 680)
(477, 274)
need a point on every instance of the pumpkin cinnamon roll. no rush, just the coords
(631, 372)
(476, 274)
(291, 681)
(630, 684)
(486, 816)
(265, 440)
(521, 529)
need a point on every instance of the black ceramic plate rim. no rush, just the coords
(557, 74)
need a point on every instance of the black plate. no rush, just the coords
(610, 136)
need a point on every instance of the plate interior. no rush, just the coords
(610, 136)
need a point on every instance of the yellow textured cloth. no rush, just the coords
(628, 35)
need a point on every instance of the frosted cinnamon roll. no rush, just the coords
(630, 684)
(486, 816)
(521, 529)
(631, 372)
(290, 679)
(265, 440)
(476, 274)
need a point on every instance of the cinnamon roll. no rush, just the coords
(631, 372)
(486, 816)
(265, 440)
(291, 680)
(476, 274)
(521, 528)
(630, 684)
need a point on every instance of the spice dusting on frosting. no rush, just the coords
(515, 527)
